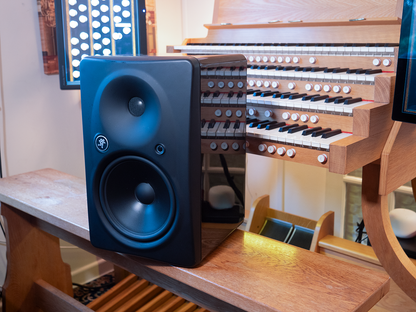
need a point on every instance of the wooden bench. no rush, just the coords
(247, 272)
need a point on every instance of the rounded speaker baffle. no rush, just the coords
(136, 106)
(137, 199)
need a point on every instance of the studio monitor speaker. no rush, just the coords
(159, 132)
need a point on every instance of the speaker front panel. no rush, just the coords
(142, 155)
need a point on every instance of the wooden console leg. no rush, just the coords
(32, 255)
(382, 238)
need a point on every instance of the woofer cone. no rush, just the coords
(124, 194)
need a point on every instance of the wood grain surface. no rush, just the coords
(246, 272)
(398, 164)
(236, 11)
(385, 244)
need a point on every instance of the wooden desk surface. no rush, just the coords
(247, 271)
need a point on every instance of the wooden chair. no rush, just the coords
(261, 211)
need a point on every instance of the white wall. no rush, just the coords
(41, 124)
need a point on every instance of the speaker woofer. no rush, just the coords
(137, 198)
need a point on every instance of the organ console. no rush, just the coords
(223, 104)
(324, 86)
(321, 77)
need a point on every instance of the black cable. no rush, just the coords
(230, 179)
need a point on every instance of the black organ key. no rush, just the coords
(286, 128)
(240, 94)
(320, 132)
(297, 129)
(362, 71)
(308, 97)
(329, 134)
(251, 91)
(256, 123)
(342, 100)
(230, 94)
(352, 101)
(307, 69)
(332, 99)
(262, 67)
(359, 44)
(217, 93)
(275, 125)
(311, 130)
(280, 68)
(297, 96)
(353, 71)
(278, 95)
(264, 125)
(227, 124)
(268, 93)
(259, 92)
(269, 67)
(330, 70)
(319, 98)
(207, 93)
(373, 71)
(299, 69)
(211, 124)
(287, 68)
(253, 67)
(339, 70)
(285, 96)
(317, 69)
(237, 124)
(250, 120)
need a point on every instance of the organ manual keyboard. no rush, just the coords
(321, 76)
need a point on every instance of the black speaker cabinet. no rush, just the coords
(164, 147)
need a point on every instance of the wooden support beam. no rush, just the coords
(31, 254)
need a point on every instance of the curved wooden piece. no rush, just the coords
(380, 232)
(398, 164)
(258, 214)
(324, 227)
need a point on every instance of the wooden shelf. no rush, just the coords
(309, 23)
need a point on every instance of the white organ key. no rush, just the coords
(230, 132)
(208, 99)
(217, 100)
(241, 131)
(298, 104)
(296, 138)
(204, 129)
(353, 78)
(212, 131)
